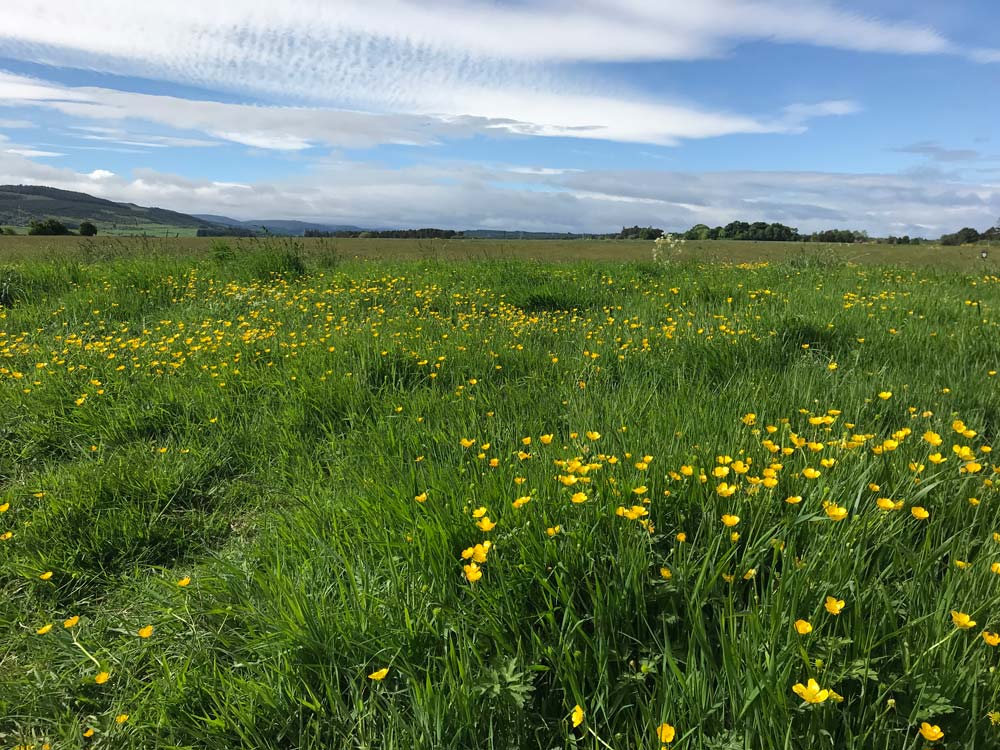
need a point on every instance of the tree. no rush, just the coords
(48, 227)
(87, 229)
(697, 232)
(963, 236)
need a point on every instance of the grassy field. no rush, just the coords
(277, 496)
(325, 252)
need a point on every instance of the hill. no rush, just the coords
(21, 204)
(277, 226)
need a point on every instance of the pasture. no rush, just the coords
(390, 494)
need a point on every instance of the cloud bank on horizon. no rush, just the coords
(553, 114)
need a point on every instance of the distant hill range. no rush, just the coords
(22, 204)
(276, 226)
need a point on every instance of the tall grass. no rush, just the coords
(307, 446)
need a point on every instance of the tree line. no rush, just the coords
(56, 228)
(758, 231)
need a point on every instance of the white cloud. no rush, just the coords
(32, 152)
(468, 195)
(511, 111)
(209, 40)
(436, 60)
(101, 174)
(16, 124)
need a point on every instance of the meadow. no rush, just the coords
(320, 495)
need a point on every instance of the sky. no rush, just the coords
(544, 115)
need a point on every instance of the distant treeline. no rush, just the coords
(225, 232)
(738, 230)
(758, 231)
(391, 234)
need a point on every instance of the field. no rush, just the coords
(326, 251)
(449, 495)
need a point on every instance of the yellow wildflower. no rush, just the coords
(811, 693)
(931, 732)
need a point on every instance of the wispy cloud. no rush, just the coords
(518, 112)
(32, 152)
(16, 124)
(936, 152)
(511, 63)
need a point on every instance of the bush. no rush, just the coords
(87, 229)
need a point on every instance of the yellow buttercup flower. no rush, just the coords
(811, 692)
(885, 395)
(833, 605)
(121, 718)
(546, 439)
(379, 674)
(920, 513)
(472, 572)
(811, 473)
(71, 622)
(962, 620)
(485, 524)
(553, 530)
(44, 629)
(730, 520)
(467, 443)
(794, 499)
(836, 512)
(726, 490)
(184, 581)
(577, 716)
(931, 732)
(992, 639)
(146, 631)
(593, 435)
(665, 573)
(46, 575)
(479, 512)
(665, 733)
(579, 497)
(521, 501)
(421, 498)
(101, 678)
(803, 627)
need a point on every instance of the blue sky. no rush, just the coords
(578, 115)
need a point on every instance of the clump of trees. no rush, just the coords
(48, 227)
(639, 233)
(56, 228)
(964, 236)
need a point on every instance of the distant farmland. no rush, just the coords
(915, 256)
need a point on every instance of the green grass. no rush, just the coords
(261, 417)
(327, 252)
